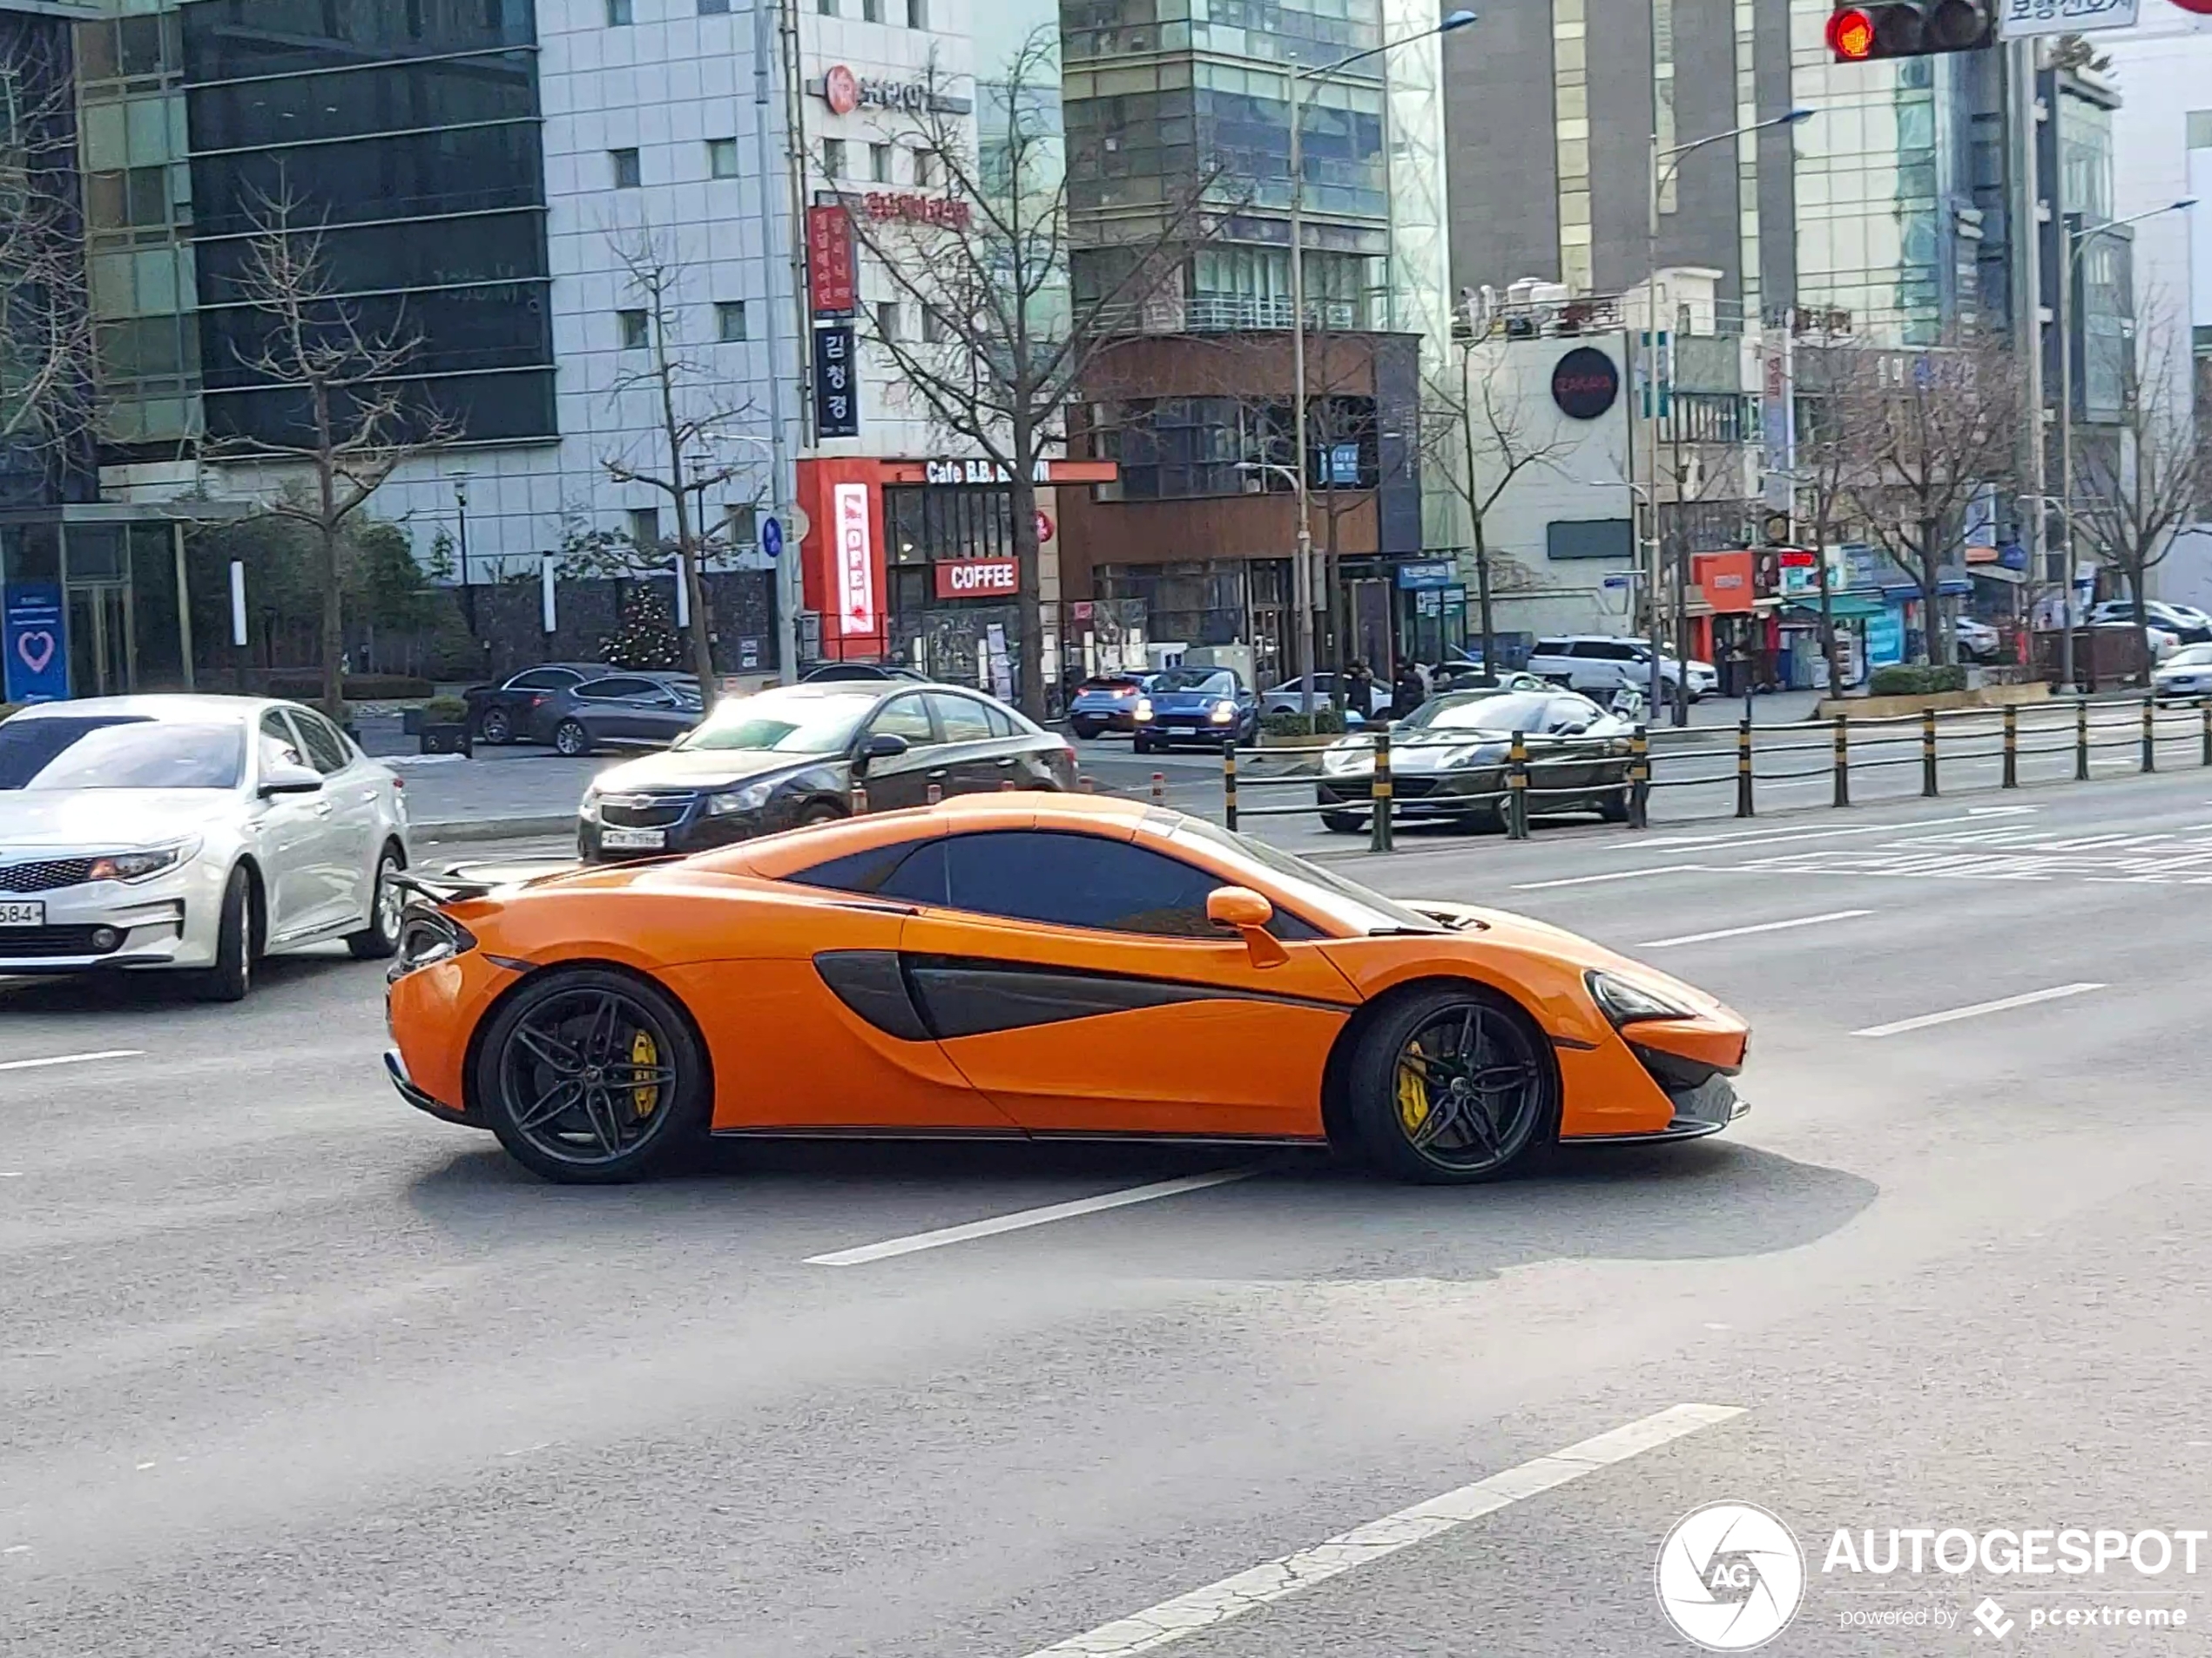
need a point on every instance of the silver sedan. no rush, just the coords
(194, 833)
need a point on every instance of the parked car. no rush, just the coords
(193, 832)
(622, 710)
(1452, 751)
(2159, 643)
(1106, 703)
(1194, 705)
(1977, 641)
(499, 714)
(1289, 697)
(2187, 673)
(2186, 622)
(791, 755)
(1602, 663)
(837, 672)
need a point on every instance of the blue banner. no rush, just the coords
(36, 640)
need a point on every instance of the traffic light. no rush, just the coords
(1861, 34)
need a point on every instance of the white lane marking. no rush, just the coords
(70, 1059)
(1022, 1219)
(1615, 875)
(2002, 1004)
(1234, 1596)
(1741, 932)
(1756, 836)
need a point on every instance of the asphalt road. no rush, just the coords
(285, 1367)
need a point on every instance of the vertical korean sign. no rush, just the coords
(1778, 418)
(831, 272)
(836, 388)
(36, 643)
(855, 559)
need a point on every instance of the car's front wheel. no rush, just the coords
(589, 1077)
(1452, 1085)
(571, 739)
(236, 944)
(497, 726)
(1343, 823)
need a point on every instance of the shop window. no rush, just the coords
(629, 168)
(722, 157)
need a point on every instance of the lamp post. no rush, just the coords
(1663, 163)
(460, 512)
(1302, 575)
(2068, 270)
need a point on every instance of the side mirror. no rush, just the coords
(882, 746)
(285, 778)
(1248, 912)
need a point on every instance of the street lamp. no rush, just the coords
(2076, 241)
(1302, 576)
(461, 513)
(1658, 174)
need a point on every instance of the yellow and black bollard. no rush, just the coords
(1843, 761)
(1928, 752)
(1228, 784)
(1640, 778)
(1378, 794)
(1743, 768)
(2150, 731)
(2080, 741)
(2011, 747)
(1517, 787)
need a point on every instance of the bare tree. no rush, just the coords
(690, 421)
(1830, 370)
(1003, 341)
(2132, 493)
(46, 382)
(1935, 428)
(1477, 435)
(353, 424)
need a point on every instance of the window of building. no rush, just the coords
(619, 14)
(741, 523)
(729, 321)
(722, 157)
(635, 333)
(826, 7)
(832, 158)
(926, 168)
(714, 7)
(886, 319)
(629, 169)
(917, 14)
(644, 528)
(932, 325)
(871, 11)
(879, 162)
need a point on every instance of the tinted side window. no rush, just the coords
(542, 679)
(1002, 723)
(1079, 881)
(326, 749)
(904, 717)
(279, 745)
(880, 871)
(963, 719)
(616, 689)
(1551, 647)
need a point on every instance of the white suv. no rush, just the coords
(1598, 662)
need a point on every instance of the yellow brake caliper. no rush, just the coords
(1413, 1096)
(644, 1051)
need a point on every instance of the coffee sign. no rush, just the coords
(978, 578)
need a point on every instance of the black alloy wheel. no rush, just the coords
(590, 1077)
(496, 727)
(1452, 1086)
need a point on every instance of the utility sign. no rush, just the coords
(2017, 19)
(837, 387)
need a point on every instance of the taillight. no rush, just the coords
(538, 702)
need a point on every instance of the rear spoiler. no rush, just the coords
(438, 890)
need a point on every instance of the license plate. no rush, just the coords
(22, 914)
(632, 840)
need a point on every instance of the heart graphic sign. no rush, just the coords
(36, 636)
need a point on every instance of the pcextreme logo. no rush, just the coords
(1730, 1576)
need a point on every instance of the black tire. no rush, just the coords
(1344, 823)
(1086, 729)
(821, 813)
(1612, 805)
(380, 939)
(496, 727)
(552, 1026)
(1141, 744)
(236, 944)
(570, 740)
(1497, 1125)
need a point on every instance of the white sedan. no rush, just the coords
(2186, 673)
(196, 833)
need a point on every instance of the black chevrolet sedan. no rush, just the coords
(793, 755)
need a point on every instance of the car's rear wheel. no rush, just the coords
(1343, 823)
(569, 738)
(821, 813)
(591, 1077)
(235, 945)
(1086, 729)
(1141, 744)
(380, 939)
(1451, 1085)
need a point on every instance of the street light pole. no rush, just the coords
(1302, 575)
(2068, 270)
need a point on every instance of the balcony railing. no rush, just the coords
(1227, 314)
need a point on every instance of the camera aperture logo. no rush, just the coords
(1730, 1576)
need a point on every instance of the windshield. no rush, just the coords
(2194, 656)
(1217, 681)
(788, 721)
(1515, 713)
(83, 751)
(1308, 886)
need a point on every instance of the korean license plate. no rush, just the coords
(616, 839)
(22, 914)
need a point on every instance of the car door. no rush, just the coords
(352, 789)
(1572, 765)
(661, 715)
(904, 779)
(1074, 979)
(297, 839)
(975, 760)
(614, 710)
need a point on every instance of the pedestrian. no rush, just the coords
(1359, 688)
(1406, 691)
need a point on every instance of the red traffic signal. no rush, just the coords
(1859, 34)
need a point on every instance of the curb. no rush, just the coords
(493, 828)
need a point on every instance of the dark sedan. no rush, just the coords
(792, 756)
(1195, 706)
(622, 710)
(501, 713)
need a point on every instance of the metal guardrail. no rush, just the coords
(1710, 756)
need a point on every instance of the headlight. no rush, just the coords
(428, 936)
(1347, 757)
(1144, 708)
(751, 797)
(1473, 754)
(1624, 1001)
(589, 810)
(138, 866)
(1223, 714)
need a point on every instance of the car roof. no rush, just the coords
(179, 707)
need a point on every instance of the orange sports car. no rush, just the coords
(1032, 966)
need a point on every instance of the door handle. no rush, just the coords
(941, 772)
(1007, 760)
(322, 808)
